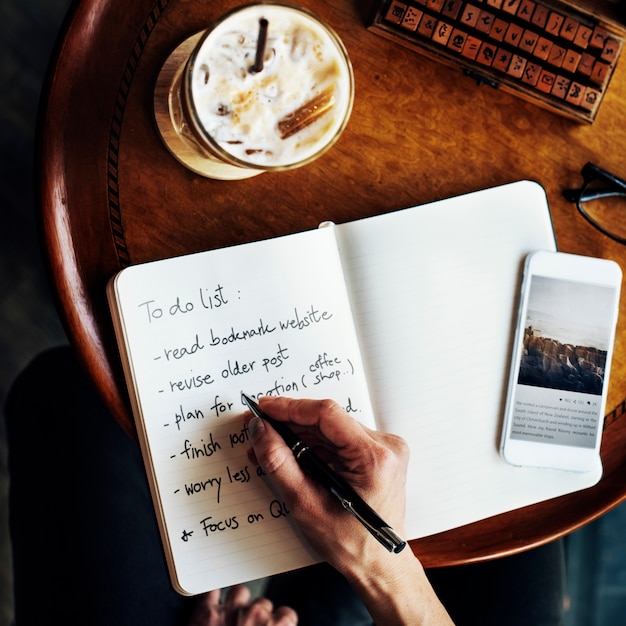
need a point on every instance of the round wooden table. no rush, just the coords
(112, 195)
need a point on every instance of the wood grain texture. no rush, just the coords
(112, 195)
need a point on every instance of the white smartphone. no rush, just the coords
(561, 360)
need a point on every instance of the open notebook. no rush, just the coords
(406, 319)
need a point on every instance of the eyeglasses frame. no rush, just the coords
(615, 187)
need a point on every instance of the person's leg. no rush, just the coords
(85, 542)
(526, 588)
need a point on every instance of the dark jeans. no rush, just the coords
(86, 548)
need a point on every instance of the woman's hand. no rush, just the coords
(374, 463)
(394, 587)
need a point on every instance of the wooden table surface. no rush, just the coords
(112, 195)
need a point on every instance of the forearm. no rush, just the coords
(396, 592)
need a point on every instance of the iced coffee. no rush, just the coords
(267, 87)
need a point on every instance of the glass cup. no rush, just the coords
(267, 87)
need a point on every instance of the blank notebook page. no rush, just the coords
(266, 318)
(435, 295)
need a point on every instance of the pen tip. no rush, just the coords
(250, 403)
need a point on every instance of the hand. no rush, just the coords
(393, 587)
(374, 463)
(237, 610)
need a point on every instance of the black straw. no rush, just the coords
(260, 46)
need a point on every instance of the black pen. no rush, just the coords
(323, 474)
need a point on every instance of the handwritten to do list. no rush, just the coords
(199, 330)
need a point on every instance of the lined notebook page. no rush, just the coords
(435, 290)
(270, 317)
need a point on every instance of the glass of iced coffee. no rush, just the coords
(267, 87)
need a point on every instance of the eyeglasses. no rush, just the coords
(601, 201)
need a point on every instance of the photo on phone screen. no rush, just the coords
(567, 333)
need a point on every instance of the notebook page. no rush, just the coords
(434, 291)
(268, 318)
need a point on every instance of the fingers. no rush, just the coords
(261, 613)
(306, 499)
(237, 609)
(285, 616)
(237, 596)
(336, 427)
(349, 445)
(333, 423)
(274, 457)
(206, 611)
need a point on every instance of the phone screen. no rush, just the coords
(567, 332)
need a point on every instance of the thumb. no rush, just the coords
(275, 458)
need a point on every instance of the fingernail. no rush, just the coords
(257, 427)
